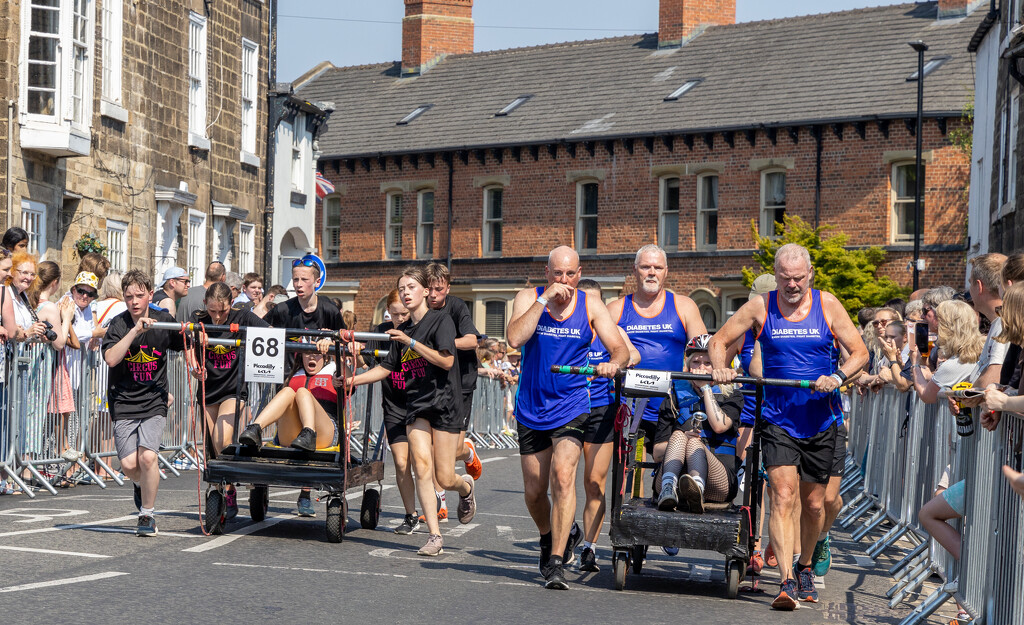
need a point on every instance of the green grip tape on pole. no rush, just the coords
(805, 384)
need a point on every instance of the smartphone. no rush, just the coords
(921, 339)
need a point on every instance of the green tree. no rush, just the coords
(849, 274)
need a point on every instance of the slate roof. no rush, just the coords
(847, 66)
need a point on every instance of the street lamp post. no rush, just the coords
(918, 230)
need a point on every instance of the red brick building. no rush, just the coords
(488, 160)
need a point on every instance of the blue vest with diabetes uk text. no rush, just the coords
(547, 400)
(798, 349)
(661, 341)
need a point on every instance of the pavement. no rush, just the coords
(74, 558)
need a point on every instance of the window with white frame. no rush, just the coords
(43, 63)
(223, 241)
(493, 197)
(707, 212)
(196, 246)
(246, 248)
(197, 74)
(668, 222)
(250, 66)
(298, 160)
(332, 227)
(902, 191)
(393, 231)
(494, 318)
(117, 234)
(81, 79)
(33, 222)
(773, 200)
(425, 225)
(586, 217)
(1008, 149)
(112, 48)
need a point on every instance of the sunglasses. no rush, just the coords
(881, 322)
(304, 262)
(927, 309)
(85, 292)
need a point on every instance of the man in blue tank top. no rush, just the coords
(658, 322)
(554, 325)
(797, 328)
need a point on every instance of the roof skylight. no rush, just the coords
(513, 105)
(930, 66)
(689, 84)
(419, 110)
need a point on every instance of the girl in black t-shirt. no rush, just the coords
(423, 350)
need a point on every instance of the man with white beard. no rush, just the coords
(658, 323)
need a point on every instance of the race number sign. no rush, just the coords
(644, 383)
(264, 355)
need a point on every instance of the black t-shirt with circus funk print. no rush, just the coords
(223, 372)
(430, 391)
(465, 358)
(137, 386)
(289, 315)
(393, 386)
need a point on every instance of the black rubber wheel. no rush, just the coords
(619, 559)
(213, 516)
(259, 502)
(636, 555)
(336, 514)
(369, 513)
(733, 575)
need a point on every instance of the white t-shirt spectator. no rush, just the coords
(993, 352)
(951, 372)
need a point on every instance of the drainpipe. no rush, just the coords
(450, 158)
(10, 160)
(817, 178)
(268, 209)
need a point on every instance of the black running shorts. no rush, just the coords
(535, 441)
(600, 425)
(466, 409)
(394, 427)
(813, 457)
(839, 459)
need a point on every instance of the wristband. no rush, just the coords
(836, 377)
(412, 344)
(543, 301)
(841, 375)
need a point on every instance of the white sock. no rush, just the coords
(146, 511)
(668, 480)
(472, 454)
(700, 482)
(588, 545)
(441, 496)
(822, 536)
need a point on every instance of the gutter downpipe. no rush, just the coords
(268, 208)
(817, 178)
(10, 160)
(450, 158)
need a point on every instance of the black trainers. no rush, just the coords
(306, 440)
(409, 525)
(553, 575)
(588, 561)
(137, 494)
(575, 538)
(251, 436)
(545, 552)
(147, 526)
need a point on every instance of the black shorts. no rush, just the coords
(813, 457)
(600, 425)
(465, 409)
(839, 459)
(443, 422)
(394, 427)
(535, 441)
(661, 430)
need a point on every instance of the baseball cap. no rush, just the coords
(171, 274)
(764, 283)
(87, 278)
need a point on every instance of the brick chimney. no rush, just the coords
(433, 29)
(678, 19)
(957, 8)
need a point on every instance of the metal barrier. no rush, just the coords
(900, 448)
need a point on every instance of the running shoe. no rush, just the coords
(251, 436)
(147, 526)
(409, 525)
(442, 511)
(961, 617)
(691, 492)
(434, 546)
(554, 577)
(231, 500)
(306, 440)
(575, 538)
(756, 563)
(467, 505)
(667, 500)
(769, 557)
(137, 495)
(474, 467)
(786, 599)
(305, 506)
(588, 561)
(671, 551)
(821, 559)
(545, 553)
(805, 582)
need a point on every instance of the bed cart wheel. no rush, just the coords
(619, 567)
(213, 518)
(637, 554)
(336, 514)
(369, 514)
(259, 502)
(733, 575)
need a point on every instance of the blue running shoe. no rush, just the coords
(805, 582)
(821, 559)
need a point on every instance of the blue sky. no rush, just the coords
(350, 32)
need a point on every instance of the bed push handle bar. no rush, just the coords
(680, 375)
(337, 335)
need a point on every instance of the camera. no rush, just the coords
(49, 334)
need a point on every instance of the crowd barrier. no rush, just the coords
(47, 442)
(900, 448)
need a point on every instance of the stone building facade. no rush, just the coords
(488, 160)
(141, 123)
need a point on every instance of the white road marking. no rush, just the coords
(77, 526)
(35, 515)
(63, 582)
(125, 530)
(462, 529)
(220, 541)
(493, 458)
(54, 552)
(505, 531)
